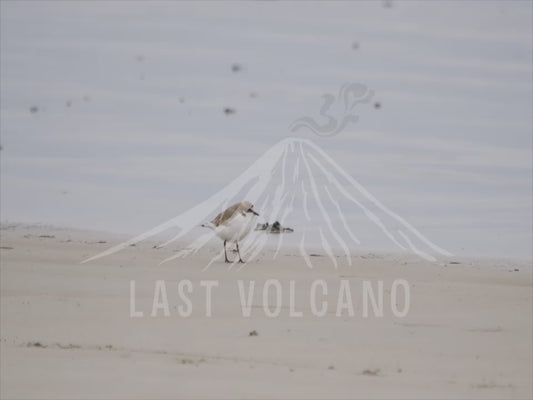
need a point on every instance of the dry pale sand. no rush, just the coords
(66, 330)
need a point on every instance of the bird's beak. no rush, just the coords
(252, 211)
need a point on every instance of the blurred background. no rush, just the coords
(117, 116)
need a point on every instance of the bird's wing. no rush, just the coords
(225, 215)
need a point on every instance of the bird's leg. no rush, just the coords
(239, 253)
(225, 255)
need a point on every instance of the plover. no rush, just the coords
(233, 224)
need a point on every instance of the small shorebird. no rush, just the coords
(233, 224)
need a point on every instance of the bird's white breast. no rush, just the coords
(236, 228)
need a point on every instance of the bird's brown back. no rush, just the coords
(226, 214)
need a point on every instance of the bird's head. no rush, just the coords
(248, 207)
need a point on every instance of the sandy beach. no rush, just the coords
(67, 329)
